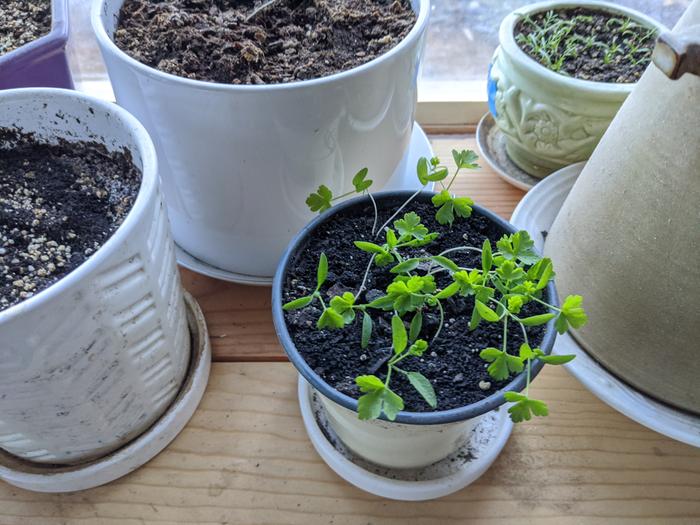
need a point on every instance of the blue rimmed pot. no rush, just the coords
(43, 62)
(413, 439)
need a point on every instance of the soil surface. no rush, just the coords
(213, 40)
(587, 44)
(451, 363)
(58, 205)
(22, 21)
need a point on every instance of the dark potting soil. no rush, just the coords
(587, 44)
(451, 363)
(290, 40)
(22, 21)
(58, 205)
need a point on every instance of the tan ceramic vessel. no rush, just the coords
(628, 236)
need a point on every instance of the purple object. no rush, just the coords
(43, 62)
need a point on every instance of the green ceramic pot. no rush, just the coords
(550, 120)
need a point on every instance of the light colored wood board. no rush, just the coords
(239, 318)
(245, 459)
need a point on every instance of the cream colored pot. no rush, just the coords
(629, 234)
(550, 120)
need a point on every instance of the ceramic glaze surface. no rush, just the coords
(550, 120)
(628, 239)
(92, 361)
(237, 162)
(395, 445)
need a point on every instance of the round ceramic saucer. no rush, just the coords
(404, 178)
(492, 144)
(536, 213)
(52, 478)
(478, 451)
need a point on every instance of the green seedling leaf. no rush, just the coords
(524, 407)
(369, 406)
(393, 404)
(449, 291)
(536, 320)
(416, 326)
(486, 256)
(321, 271)
(391, 239)
(418, 348)
(553, 359)
(518, 246)
(526, 352)
(330, 319)
(422, 170)
(320, 200)
(486, 312)
(515, 303)
(399, 338)
(360, 181)
(406, 266)
(377, 398)
(423, 386)
(502, 363)
(369, 383)
(343, 304)
(465, 159)
(370, 247)
(366, 330)
(410, 226)
(574, 312)
(463, 206)
(445, 263)
(385, 302)
(298, 303)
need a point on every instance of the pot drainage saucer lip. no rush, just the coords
(481, 448)
(492, 144)
(536, 213)
(404, 178)
(57, 479)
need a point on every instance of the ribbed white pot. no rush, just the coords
(550, 120)
(238, 162)
(92, 361)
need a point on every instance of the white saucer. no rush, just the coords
(492, 144)
(481, 448)
(404, 178)
(56, 479)
(536, 213)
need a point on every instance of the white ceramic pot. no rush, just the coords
(93, 361)
(396, 445)
(550, 120)
(237, 162)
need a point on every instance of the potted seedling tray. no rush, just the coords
(41, 62)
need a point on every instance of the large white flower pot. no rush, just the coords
(94, 360)
(550, 120)
(238, 161)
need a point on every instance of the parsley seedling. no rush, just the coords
(509, 277)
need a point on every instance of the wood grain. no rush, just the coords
(245, 459)
(239, 316)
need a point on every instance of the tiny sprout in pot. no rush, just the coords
(417, 311)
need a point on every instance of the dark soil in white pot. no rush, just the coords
(23, 21)
(588, 44)
(215, 40)
(452, 362)
(58, 205)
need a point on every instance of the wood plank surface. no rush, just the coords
(245, 459)
(239, 316)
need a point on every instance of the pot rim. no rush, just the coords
(511, 48)
(106, 42)
(412, 418)
(148, 188)
(56, 38)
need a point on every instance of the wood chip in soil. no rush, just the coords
(291, 40)
(58, 205)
